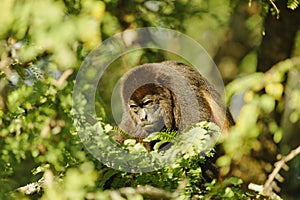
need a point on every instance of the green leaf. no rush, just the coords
(292, 4)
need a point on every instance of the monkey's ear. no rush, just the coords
(220, 114)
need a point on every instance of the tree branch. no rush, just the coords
(270, 184)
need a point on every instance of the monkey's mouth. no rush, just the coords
(147, 126)
(152, 127)
(144, 124)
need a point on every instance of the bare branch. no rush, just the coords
(146, 191)
(270, 184)
(31, 188)
(278, 166)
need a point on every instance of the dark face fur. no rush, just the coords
(151, 108)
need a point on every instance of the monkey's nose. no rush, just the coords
(142, 115)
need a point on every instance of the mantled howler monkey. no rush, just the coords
(169, 95)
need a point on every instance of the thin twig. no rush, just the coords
(250, 3)
(267, 188)
(63, 78)
(278, 166)
(276, 9)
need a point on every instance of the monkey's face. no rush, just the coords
(150, 107)
(147, 113)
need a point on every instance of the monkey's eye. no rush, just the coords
(148, 102)
(134, 107)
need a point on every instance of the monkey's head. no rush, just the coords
(150, 107)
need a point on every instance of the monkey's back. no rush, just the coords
(194, 98)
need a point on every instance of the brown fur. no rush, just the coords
(185, 96)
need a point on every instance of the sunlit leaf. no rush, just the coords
(275, 90)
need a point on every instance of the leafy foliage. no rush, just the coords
(163, 138)
(292, 4)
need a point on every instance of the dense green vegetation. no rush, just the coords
(256, 46)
